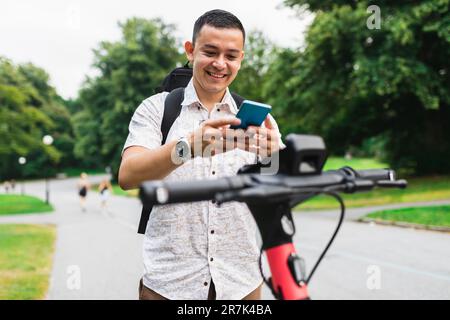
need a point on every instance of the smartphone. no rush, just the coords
(251, 113)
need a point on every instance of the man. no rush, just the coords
(199, 250)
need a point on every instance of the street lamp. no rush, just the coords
(47, 140)
(22, 161)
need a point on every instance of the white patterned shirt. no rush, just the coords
(188, 244)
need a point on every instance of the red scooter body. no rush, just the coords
(283, 281)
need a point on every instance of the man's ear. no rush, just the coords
(189, 49)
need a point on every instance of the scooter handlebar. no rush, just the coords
(165, 192)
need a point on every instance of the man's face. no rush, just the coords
(216, 57)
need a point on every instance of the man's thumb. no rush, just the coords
(224, 121)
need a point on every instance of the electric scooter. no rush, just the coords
(271, 194)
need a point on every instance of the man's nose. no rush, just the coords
(219, 62)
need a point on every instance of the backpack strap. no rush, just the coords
(172, 109)
(237, 99)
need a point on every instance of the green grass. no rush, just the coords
(18, 204)
(356, 163)
(419, 189)
(25, 260)
(429, 216)
(129, 193)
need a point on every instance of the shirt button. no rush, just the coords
(213, 172)
(198, 107)
(205, 283)
(212, 259)
(218, 110)
(212, 231)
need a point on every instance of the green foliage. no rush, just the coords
(129, 71)
(30, 109)
(381, 92)
(259, 55)
(280, 90)
(352, 83)
(76, 171)
(87, 138)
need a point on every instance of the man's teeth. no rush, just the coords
(215, 75)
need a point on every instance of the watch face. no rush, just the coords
(182, 149)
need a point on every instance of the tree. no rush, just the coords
(129, 71)
(280, 90)
(353, 83)
(47, 99)
(29, 109)
(259, 55)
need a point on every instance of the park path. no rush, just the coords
(104, 250)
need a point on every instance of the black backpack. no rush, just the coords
(175, 82)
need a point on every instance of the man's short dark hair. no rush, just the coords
(219, 19)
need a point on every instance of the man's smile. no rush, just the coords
(216, 75)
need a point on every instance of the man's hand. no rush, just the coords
(214, 136)
(210, 138)
(262, 141)
(266, 139)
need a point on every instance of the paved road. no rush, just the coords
(365, 262)
(102, 248)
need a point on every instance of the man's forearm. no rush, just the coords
(146, 165)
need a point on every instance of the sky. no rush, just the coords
(59, 36)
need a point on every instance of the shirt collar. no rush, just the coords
(191, 98)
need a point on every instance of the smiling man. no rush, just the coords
(216, 57)
(199, 250)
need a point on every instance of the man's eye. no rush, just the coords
(232, 57)
(209, 53)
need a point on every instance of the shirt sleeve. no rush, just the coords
(145, 126)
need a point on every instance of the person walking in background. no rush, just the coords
(7, 186)
(13, 185)
(83, 187)
(105, 188)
